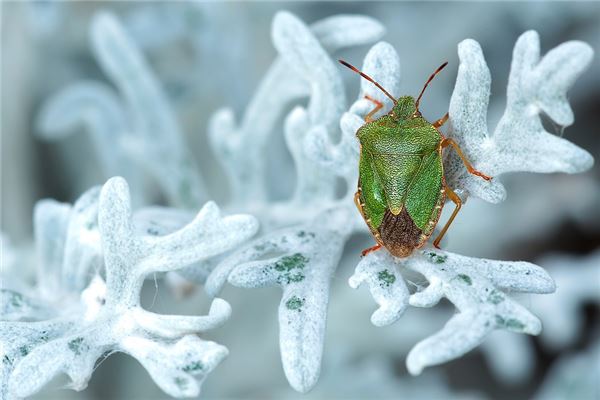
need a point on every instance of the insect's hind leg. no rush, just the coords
(378, 106)
(370, 250)
(449, 142)
(458, 202)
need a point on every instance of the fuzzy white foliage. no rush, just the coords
(132, 131)
(306, 258)
(109, 317)
(477, 287)
(386, 285)
(519, 142)
(302, 56)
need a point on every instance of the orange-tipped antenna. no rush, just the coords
(437, 71)
(367, 77)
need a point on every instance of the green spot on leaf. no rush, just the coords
(291, 268)
(295, 278)
(193, 367)
(302, 234)
(436, 258)
(515, 324)
(295, 303)
(288, 263)
(510, 323)
(181, 383)
(496, 297)
(75, 345)
(386, 278)
(465, 278)
(152, 232)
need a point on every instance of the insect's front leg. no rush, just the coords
(441, 121)
(378, 106)
(449, 142)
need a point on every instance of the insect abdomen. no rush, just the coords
(399, 233)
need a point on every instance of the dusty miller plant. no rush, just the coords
(92, 259)
(94, 255)
(306, 255)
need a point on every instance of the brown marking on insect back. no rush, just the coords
(399, 233)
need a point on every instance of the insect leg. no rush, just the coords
(456, 200)
(370, 249)
(441, 121)
(378, 106)
(449, 142)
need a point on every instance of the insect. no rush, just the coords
(401, 185)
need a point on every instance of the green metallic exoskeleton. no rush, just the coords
(401, 186)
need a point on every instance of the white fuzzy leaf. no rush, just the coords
(109, 316)
(386, 285)
(178, 369)
(83, 251)
(477, 288)
(240, 147)
(519, 142)
(305, 259)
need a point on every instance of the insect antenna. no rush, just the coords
(437, 71)
(367, 77)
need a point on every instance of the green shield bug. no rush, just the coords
(401, 184)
